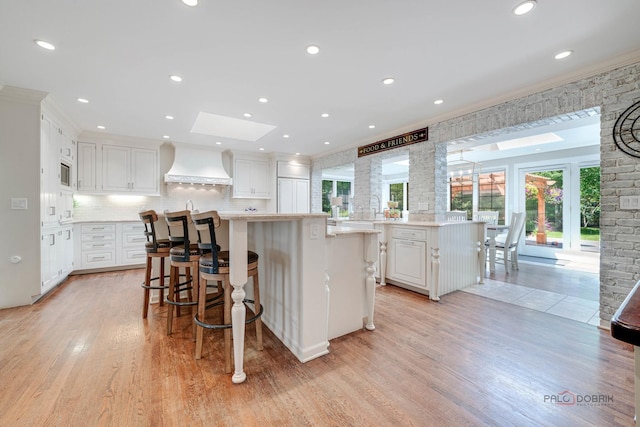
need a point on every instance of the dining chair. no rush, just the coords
(490, 217)
(456, 216)
(508, 245)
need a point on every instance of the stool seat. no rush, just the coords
(206, 262)
(179, 252)
(161, 245)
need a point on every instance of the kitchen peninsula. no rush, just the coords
(297, 260)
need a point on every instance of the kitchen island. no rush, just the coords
(297, 261)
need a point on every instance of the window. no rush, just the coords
(491, 188)
(461, 191)
(333, 188)
(396, 194)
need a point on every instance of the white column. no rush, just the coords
(238, 278)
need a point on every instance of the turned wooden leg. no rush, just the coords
(227, 321)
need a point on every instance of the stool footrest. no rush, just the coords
(224, 326)
(143, 285)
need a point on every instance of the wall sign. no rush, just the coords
(395, 142)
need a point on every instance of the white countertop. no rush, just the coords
(266, 216)
(334, 230)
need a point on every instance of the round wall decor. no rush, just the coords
(626, 131)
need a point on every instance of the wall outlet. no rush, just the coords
(19, 203)
(423, 206)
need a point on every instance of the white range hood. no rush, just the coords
(197, 165)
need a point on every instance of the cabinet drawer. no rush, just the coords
(99, 228)
(102, 237)
(133, 227)
(133, 240)
(98, 259)
(134, 256)
(409, 233)
(96, 246)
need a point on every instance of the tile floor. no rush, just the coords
(570, 307)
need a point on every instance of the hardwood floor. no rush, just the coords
(85, 357)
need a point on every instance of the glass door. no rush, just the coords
(547, 225)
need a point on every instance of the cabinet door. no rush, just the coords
(302, 195)
(286, 195)
(49, 259)
(144, 171)
(260, 179)
(49, 171)
(242, 179)
(407, 262)
(86, 166)
(115, 168)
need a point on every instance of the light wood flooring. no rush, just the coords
(84, 357)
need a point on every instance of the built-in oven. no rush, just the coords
(65, 174)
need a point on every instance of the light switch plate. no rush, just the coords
(19, 203)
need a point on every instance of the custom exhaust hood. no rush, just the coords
(197, 165)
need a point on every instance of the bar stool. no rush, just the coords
(155, 248)
(183, 254)
(215, 266)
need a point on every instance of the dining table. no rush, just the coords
(492, 231)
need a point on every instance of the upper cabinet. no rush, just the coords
(87, 166)
(110, 168)
(251, 179)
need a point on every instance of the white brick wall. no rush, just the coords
(610, 93)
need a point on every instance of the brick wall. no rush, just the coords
(609, 93)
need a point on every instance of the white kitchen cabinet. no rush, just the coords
(67, 148)
(65, 206)
(49, 171)
(129, 169)
(66, 252)
(86, 169)
(131, 243)
(49, 255)
(293, 195)
(251, 179)
(407, 256)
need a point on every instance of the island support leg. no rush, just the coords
(482, 261)
(238, 278)
(383, 263)
(370, 255)
(636, 379)
(435, 275)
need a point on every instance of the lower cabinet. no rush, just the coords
(407, 256)
(109, 244)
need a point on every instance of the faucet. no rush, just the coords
(189, 202)
(379, 208)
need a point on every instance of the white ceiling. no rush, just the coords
(119, 54)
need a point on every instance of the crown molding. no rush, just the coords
(21, 95)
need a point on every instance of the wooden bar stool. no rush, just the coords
(183, 254)
(214, 266)
(155, 248)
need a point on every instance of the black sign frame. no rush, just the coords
(403, 140)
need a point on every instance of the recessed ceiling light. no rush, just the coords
(285, 136)
(325, 115)
(218, 143)
(101, 127)
(327, 143)
(438, 101)
(168, 117)
(45, 45)
(247, 114)
(261, 149)
(297, 154)
(524, 7)
(372, 126)
(190, 2)
(166, 136)
(83, 101)
(563, 54)
(263, 100)
(175, 78)
(388, 80)
(313, 49)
